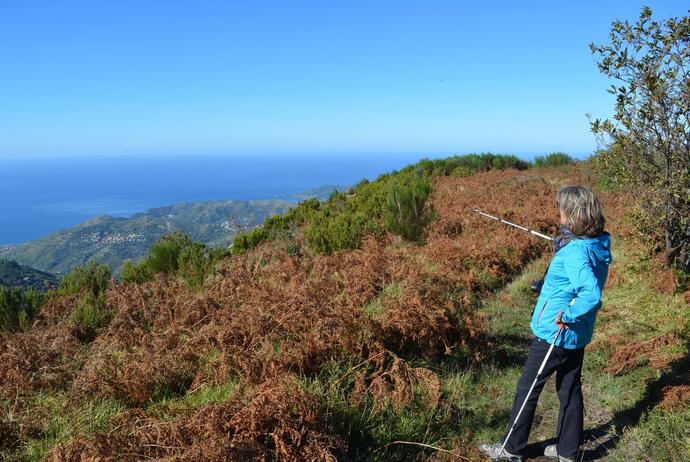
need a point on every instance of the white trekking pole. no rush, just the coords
(541, 369)
(531, 231)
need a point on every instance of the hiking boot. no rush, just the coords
(552, 451)
(493, 451)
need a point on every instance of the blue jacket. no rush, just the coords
(573, 284)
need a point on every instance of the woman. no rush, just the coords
(569, 298)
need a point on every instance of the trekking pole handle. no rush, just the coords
(543, 363)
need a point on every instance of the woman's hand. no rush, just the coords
(559, 321)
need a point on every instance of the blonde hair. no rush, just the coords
(582, 210)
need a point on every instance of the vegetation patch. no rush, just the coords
(341, 222)
(19, 307)
(175, 253)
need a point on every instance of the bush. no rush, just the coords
(554, 159)
(137, 274)
(19, 308)
(175, 253)
(344, 219)
(276, 225)
(193, 263)
(470, 164)
(406, 212)
(90, 314)
(342, 231)
(216, 254)
(246, 241)
(646, 141)
(462, 172)
(164, 255)
(93, 277)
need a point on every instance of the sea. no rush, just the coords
(41, 195)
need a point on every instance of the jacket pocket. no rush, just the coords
(543, 307)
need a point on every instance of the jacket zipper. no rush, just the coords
(542, 310)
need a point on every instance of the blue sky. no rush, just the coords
(186, 77)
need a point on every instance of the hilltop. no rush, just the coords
(321, 342)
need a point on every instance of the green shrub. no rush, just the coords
(342, 231)
(216, 254)
(164, 255)
(175, 253)
(249, 240)
(10, 305)
(19, 308)
(461, 172)
(406, 211)
(32, 300)
(276, 226)
(646, 140)
(292, 247)
(345, 219)
(93, 277)
(469, 164)
(554, 159)
(91, 313)
(193, 264)
(131, 272)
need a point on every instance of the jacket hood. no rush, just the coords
(600, 247)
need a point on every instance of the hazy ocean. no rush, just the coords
(42, 195)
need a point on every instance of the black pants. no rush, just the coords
(568, 367)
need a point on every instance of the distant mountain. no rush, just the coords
(12, 274)
(113, 240)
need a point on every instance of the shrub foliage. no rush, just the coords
(555, 159)
(175, 253)
(18, 308)
(407, 213)
(647, 146)
(90, 282)
(92, 278)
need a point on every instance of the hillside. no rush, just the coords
(113, 240)
(12, 274)
(288, 354)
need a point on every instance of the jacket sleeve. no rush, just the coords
(582, 278)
